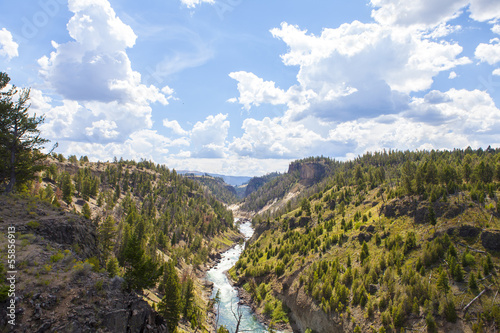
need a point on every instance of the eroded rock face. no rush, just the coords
(305, 314)
(491, 240)
(309, 172)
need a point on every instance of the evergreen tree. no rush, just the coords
(170, 305)
(20, 141)
(442, 282)
(106, 234)
(67, 188)
(141, 270)
(112, 267)
(432, 215)
(472, 282)
(364, 252)
(188, 299)
(87, 213)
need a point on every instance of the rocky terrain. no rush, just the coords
(58, 287)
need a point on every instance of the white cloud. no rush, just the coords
(496, 71)
(8, 48)
(357, 52)
(255, 91)
(208, 138)
(455, 120)
(443, 30)
(194, 3)
(94, 66)
(484, 10)
(423, 13)
(102, 128)
(103, 99)
(174, 126)
(452, 75)
(489, 53)
(355, 70)
(426, 14)
(270, 138)
(496, 29)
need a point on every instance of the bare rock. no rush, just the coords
(116, 321)
(491, 240)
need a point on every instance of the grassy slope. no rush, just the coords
(304, 245)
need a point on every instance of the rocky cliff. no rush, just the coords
(59, 287)
(309, 172)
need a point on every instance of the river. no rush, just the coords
(228, 294)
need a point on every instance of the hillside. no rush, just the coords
(84, 226)
(388, 242)
(217, 187)
(59, 286)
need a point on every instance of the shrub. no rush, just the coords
(33, 224)
(431, 323)
(56, 257)
(81, 269)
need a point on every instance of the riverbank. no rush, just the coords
(246, 299)
(229, 299)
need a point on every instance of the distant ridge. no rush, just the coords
(231, 180)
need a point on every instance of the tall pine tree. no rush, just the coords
(170, 305)
(20, 141)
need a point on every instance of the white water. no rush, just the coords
(228, 295)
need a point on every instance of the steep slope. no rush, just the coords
(141, 215)
(391, 240)
(58, 285)
(217, 187)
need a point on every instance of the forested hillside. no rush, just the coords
(217, 187)
(388, 241)
(156, 229)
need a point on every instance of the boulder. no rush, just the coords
(491, 240)
(116, 321)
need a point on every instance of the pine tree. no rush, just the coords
(442, 282)
(106, 234)
(87, 213)
(432, 215)
(170, 305)
(112, 267)
(141, 270)
(472, 282)
(67, 188)
(364, 252)
(188, 299)
(20, 141)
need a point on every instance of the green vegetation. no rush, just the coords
(389, 233)
(20, 141)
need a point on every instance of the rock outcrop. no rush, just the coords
(491, 240)
(309, 172)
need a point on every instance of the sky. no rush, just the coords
(242, 87)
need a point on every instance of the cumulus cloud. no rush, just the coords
(271, 138)
(484, 10)
(419, 12)
(194, 3)
(8, 48)
(489, 53)
(425, 14)
(355, 70)
(102, 97)
(174, 126)
(496, 71)
(94, 66)
(457, 118)
(255, 91)
(208, 138)
(496, 29)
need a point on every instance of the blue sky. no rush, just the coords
(243, 87)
